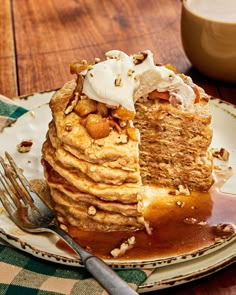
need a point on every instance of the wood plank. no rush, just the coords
(8, 84)
(58, 32)
(70, 30)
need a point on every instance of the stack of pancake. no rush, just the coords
(174, 146)
(99, 157)
(94, 183)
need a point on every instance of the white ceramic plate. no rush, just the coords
(192, 265)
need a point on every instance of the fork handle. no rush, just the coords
(108, 278)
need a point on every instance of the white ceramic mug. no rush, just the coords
(208, 31)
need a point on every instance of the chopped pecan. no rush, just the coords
(72, 103)
(172, 68)
(137, 77)
(221, 154)
(138, 58)
(125, 246)
(190, 220)
(24, 146)
(225, 228)
(122, 123)
(130, 72)
(118, 81)
(68, 127)
(78, 67)
(122, 138)
(92, 211)
(115, 125)
(97, 60)
(183, 190)
(202, 223)
(180, 204)
(75, 96)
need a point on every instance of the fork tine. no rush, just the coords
(7, 184)
(4, 195)
(19, 185)
(24, 194)
(11, 199)
(10, 181)
(18, 171)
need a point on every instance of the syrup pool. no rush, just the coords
(180, 224)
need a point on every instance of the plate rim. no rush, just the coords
(144, 287)
(218, 103)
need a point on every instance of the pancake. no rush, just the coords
(123, 125)
(174, 144)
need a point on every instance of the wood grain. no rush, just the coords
(51, 34)
(8, 79)
(86, 29)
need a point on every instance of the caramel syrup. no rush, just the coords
(180, 224)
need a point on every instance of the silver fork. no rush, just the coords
(29, 212)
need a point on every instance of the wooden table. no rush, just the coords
(38, 40)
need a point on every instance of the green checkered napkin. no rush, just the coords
(9, 112)
(22, 273)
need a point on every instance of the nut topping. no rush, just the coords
(72, 103)
(180, 204)
(137, 77)
(190, 220)
(75, 96)
(225, 228)
(78, 67)
(221, 154)
(24, 146)
(122, 138)
(92, 211)
(138, 58)
(68, 127)
(125, 246)
(183, 190)
(118, 81)
(130, 72)
(97, 60)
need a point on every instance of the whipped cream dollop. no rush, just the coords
(119, 80)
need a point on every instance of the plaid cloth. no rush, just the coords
(9, 111)
(22, 273)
